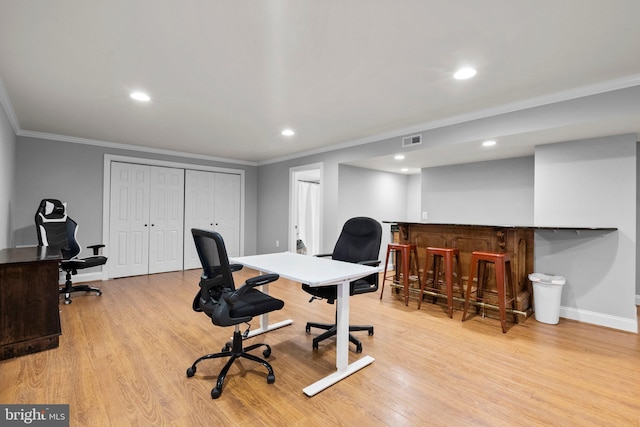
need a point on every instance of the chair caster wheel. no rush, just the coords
(315, 346)
(227, 347)
(98, 293)
(359, 348)
(215, 393)
(370, 332)
(271, 379)
(191, 371)
(308, 329)
(67, 301)
(266, 353)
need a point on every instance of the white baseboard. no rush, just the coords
(615, 322)
(637, 299)
(82, 277)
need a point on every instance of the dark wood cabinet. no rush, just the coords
(29, 313)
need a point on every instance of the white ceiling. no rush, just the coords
(225, 77)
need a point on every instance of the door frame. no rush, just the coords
(293, 199)
(106, 191)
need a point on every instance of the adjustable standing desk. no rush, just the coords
(316, 272)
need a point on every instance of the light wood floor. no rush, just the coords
(123, 356)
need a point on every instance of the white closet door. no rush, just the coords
(129, 220)
(198, 211)
(166, 218)
(227, 210)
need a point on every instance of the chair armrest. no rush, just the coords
(372, 263)
(261, 280)
(96, 248)
(250, 284)
(235, 267)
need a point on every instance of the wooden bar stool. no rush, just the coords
(502, 264)
(438, 255)
(403, 267)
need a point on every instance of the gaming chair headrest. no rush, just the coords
(52, 209)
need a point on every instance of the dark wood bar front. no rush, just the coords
(516, 241)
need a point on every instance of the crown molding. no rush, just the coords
(131, 147)
(565, 95)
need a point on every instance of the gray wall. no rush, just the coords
(379, 195)
(273, 192)
(414, 190)
(495, 192)
(7, 176)
(590, 183)
(74, 172)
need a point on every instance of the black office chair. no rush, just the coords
(57, 230)
(359, 242)
(219, 299)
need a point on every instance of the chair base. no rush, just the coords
(234, 350)
(69, 288)
(331, 330)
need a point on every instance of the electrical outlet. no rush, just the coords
(425, 216)
(277, 243)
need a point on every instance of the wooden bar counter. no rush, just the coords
(29, 313)
(518, 241)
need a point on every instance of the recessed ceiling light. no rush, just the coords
(404, 170)
(140, 96)
(399, 157)
(464, 73)
(489, 143)
(288, 132)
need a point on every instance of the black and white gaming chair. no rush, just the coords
(55, 229)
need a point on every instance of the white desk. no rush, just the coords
(317, 272)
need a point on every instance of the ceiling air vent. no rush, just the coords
(410, 141)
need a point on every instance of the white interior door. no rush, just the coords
(199, 199)
(129, 220)
(166, 218)
(227, 210)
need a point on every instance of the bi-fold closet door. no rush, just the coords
(212, 202)
(153, 209)
(146, 219)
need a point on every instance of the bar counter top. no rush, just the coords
(528, 227)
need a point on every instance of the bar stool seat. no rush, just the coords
(502, 262)
(408, 261)
(438, 255)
